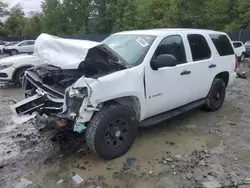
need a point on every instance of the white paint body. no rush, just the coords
(18, 61)
(141, 82)
(176, 90)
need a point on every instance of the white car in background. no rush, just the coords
(26, 46)
(240, 50)
(2, 45)
(12, 69)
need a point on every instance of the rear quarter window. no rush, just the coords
(222, 44)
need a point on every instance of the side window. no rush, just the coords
(172, 45)
(199, 47)
(30, 43)
(222, 44)
(23, 44)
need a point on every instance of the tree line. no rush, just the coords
(80, 17)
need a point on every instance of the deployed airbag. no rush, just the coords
(63, 53)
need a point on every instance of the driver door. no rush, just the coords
(169, 87)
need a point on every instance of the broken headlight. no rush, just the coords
(5, 66)
(77, 92)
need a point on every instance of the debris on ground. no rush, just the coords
(131, 161)
(76, 178)
(163, 156)
(60, 181)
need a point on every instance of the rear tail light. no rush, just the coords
(236, 63)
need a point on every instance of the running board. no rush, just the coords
(170, 114)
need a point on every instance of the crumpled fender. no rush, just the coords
(125, 83)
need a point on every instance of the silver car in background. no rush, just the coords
(26, 46)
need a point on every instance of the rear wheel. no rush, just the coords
(216, 95)
(112, 131)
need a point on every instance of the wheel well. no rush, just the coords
(19, 68)
(130, 101)
(224, 76)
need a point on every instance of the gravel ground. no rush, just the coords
(197, 149)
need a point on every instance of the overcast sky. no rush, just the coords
(28, 5)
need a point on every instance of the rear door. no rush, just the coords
(202, 65)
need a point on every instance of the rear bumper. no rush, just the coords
(232, 78)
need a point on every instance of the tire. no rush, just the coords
(216, 95)
(111, 131)
(13, 52)
(18, 75)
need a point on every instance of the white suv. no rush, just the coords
(240, 50)
(132, 79)
(26, 46)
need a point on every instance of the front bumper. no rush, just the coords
(7, 74)
(50, 108)
(6, 51)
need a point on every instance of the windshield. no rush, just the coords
(132, 48)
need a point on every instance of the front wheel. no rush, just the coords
(19, 76)
(216, 95)
(112, 131)
(13, 52)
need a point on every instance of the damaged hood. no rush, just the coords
(68, 53)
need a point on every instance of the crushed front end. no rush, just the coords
(50, 99)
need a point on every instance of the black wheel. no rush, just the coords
(19, 76)
(112, 131)
(13, 52)
(216, 95)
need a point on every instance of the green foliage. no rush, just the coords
(74, 17)
(15, 22)
(3, 9)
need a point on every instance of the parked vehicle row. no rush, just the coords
(16, 47)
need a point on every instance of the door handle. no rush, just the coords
(185, 72)
(212, 66)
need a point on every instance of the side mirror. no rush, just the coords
(164, 60)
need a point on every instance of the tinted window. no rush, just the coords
(172, 45)
(222, 44)
(30, 42)
(199, 47)
(237, 44)
(27, 43)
